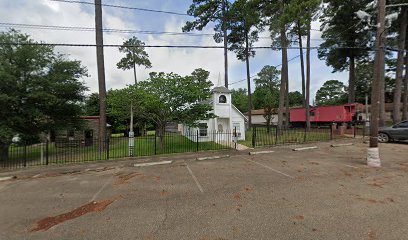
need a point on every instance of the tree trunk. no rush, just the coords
(134, 73)
(308, 78)
(224, 30)
(161, 131)
(396, 115)
(4, 153)
(282, 91)
(302, 65)
(101, 74)
(248, 81)
(352, 77)
(287, 97)
(405, 101)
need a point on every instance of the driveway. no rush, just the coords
(324, 193)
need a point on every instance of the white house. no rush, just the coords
(229, 119)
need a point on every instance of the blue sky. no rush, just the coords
(181, 61)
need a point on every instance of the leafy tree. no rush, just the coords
(267, 92)
(121, 102)
(40, 90)
(295, 99)
(244, 27)
(345, 38)
(331, 93)
(240, 99)
(168, 97)
(135, 55)
(91, 107)
(216, 11)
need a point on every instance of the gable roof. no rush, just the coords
(221, 89)
(245, 118)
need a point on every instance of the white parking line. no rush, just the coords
(350, 166)
(195, 179)
(260, 164)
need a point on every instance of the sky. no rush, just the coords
(180, 61)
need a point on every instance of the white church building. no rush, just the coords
(221, 128)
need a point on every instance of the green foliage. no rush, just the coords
(91, 107)
(333, 92)
(342, 28)
(135, 54)
(295, 99)
(39, 89)
(206, 11)
(168, 97)
(244, 26)
(240, 99)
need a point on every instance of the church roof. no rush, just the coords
(221, 89)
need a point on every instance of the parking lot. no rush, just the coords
(324, 193)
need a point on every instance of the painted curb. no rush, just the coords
(7, 178)
(342, 145)
(211, 158)
(261, 152)
(304, 148)
(152, 164)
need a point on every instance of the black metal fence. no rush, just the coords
(75, 151)
(262, 136)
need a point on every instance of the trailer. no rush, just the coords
(325, 115)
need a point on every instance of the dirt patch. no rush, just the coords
(164, 193)
(49, 222)
(314, 163)
(124, 179)
(372, 201)
(347, 174)
(299, 217)
(372, 235)
(237, 196)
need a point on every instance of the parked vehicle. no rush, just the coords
(395, 133)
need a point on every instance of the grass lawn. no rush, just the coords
(118, 148)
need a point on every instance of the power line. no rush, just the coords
(172, 46)
(108, 30)
(92, 29)
(123, 7)
(257, 74)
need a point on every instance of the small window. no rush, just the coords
(202, 127)
(311, 114)
(222, 99)
(402, 125)
(236, 128)
(220, 128)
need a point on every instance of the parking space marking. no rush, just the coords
(110, 179)
(350, 166)
(195, 179)
(260, 164)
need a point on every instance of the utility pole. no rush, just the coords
(224, 33)
(101, 74)
(373, 156)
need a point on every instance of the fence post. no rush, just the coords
(235, 137)
(107, 147)
(253, 136)
(354, 131)
(46, 152)
(305, 134)
(331, 131)
(25, 154)
(197, 142)
(155, 142)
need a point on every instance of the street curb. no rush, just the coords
(260, 152)
(7, 178)
(211, 158)
(304, 148)
(342, 145)
(152, 164)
